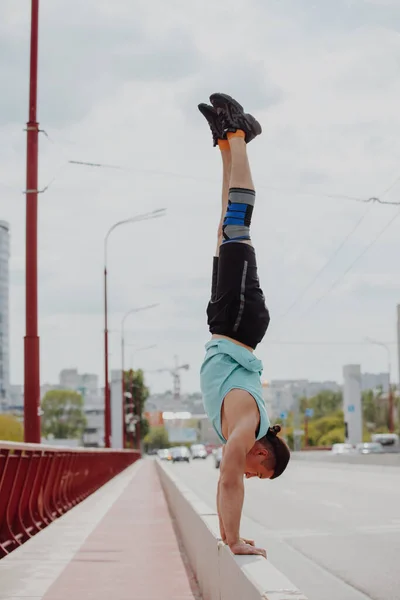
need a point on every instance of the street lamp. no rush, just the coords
(31, 341)
(390, 394)
(107, 408)
(130, 312)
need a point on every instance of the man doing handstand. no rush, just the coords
(238, 320)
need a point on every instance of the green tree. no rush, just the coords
(139, 392)
(157, 438)
(375, 405)
(11, 430)
(334, 436)
(369, 408)
(63, 415)
(324, 403)
(319, 429)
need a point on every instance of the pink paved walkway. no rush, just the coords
(133, 553)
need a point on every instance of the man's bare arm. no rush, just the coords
(231, 492)
(231, 487)
(221, 524)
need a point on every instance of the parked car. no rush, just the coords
(369, 448)
(217, 457)
(389, 441)
(180, 454)
(198, 451)
(342, 448)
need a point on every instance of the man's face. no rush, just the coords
(260, 462)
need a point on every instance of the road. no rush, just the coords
(334, 530)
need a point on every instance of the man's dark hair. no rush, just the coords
(280, 449)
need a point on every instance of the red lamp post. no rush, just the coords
(31, 340)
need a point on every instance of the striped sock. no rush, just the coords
(237, 220)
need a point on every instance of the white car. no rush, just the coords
(218, 457)
(369, 448)
(164, 454)
(198, 451)
(342, 449)
(180, 454)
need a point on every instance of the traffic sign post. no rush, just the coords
(308, 414)
(352, 403)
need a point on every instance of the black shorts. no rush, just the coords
(237, 307)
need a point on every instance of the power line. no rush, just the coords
(210, 180)
(391, 186)
(91, 164)
(343, 242)
(349, 268)
(321, 343)
(327, 263)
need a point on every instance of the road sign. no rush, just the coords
(283, 415)
(182, 434)
(309, 412)
(351, 408)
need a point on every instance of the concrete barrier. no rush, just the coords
(383, 460)
(220, 574)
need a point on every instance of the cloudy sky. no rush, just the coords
(119, 85)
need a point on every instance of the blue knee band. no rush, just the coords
(236, 225)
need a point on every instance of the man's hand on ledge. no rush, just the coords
(242, 547)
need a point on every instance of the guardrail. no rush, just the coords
(40, 483)
(220, 574)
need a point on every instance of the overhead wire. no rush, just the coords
(211, 180)
(325, 265)
(349, 268)
(321, 343)
(337, 250)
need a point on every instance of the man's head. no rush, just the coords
(269, 456)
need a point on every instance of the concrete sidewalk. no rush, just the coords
(119, 543)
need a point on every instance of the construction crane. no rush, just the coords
(176, 376)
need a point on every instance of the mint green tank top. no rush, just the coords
(228, 366)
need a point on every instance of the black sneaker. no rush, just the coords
(214, 122)
(233, 116)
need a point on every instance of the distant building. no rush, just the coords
(4, 315)
(86, 384)
(373, 381)
(207, 433)
(69, 379)
(283, 395)
(93, 436)
(192, 403)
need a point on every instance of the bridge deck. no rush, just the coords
(119, 544)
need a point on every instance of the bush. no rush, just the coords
(11, 430)
(335, 436)
(157, 438)
(319, 430)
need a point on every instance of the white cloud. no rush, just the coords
(119, 84)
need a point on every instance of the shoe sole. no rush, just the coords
(207, 112)
(225, 102)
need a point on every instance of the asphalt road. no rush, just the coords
(334, 530)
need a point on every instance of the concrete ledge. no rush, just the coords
(221, 575)
(384, 460)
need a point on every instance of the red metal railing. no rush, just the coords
(40, 483)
